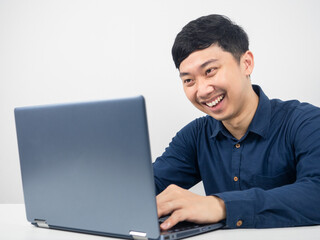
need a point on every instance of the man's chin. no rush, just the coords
(218, 115)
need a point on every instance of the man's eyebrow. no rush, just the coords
(184, 74)
(203, 65)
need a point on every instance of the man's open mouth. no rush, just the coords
(215, 101)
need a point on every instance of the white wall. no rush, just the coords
(62, 50)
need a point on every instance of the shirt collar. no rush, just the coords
(261, 120)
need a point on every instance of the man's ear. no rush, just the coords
(247, 62)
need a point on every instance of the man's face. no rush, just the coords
(216, 83)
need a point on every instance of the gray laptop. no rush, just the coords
(86, 167)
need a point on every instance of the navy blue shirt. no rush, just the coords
(268, 178)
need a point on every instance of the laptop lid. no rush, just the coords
(87, 167)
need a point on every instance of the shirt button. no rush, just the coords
(239, 223)
(237, 145)
(235, 179)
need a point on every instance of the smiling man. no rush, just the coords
(259, 159)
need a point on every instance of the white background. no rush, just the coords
(64, 51)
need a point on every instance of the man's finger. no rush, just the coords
(176, 217)
(167, 194)
(166, 208)
(167, 201)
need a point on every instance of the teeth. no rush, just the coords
(215, 102)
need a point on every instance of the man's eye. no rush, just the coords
(188, 82)
(210, 70)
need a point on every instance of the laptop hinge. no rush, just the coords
(41, 223)
(138, 235)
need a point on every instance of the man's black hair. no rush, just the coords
(207, 30)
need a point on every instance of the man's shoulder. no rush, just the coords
(292, 105)
(293, 110)
(201, 124)
(204, 121)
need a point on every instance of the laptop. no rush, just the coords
(86, 167)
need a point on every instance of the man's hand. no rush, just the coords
(184, 205)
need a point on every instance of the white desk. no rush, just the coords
(14, 226)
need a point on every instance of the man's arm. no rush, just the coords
(177, 170)
(178, 165)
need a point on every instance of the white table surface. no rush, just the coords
(13, 225)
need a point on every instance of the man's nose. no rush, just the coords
(205, 88)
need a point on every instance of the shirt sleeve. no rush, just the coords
(294, 204)
(178, 164)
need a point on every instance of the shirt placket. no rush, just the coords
(236, 158)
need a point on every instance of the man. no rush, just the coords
(259, 159)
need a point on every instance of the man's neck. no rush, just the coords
(239, 125)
